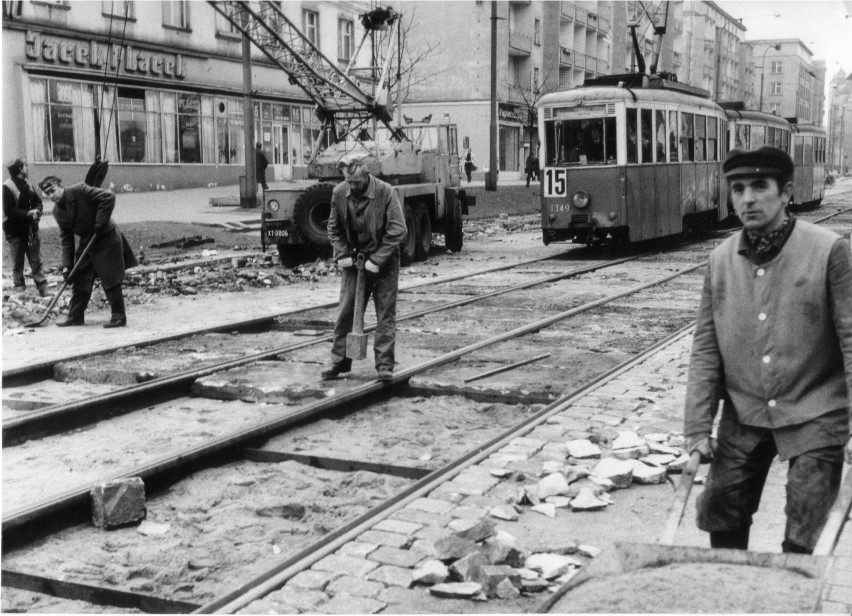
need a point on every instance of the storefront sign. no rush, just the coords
(512, 113)
(123, 58)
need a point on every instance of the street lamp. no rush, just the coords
(763, 70)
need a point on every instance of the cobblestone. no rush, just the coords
(394, 540)
(346, 565)
(396, 526)
(392, 576)
(311, 579)
(356, 548)
(351, 604)
(398, 558)
(432, 505)
(355, 586)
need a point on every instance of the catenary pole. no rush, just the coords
(249, 200)
(491, 177)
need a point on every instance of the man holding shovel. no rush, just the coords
(365, 227)
(86, 211)
(773, 340)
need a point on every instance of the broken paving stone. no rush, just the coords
(678, 464)
(504, 512)
(506, 590)
(631, 453)
(559, 502)
(648, 475)
(657, 437)
(586, 500)
(627, 440)
(502, 549)
(552, 466)
(452, 548)
(550, 565)
(536, 585)
(116, 503)
(494, 575)
(573, 472)
(469, 568)
(527, 574)
(150, 529)
(548, 509)
(589, 550)
(590, 483)
(620, 472)
(530, 495)
(430, 572)
(456, 590)
(552, 485)
(663, 448)
(658, 459)
(472, 529)
(583, 448)
(502, 473)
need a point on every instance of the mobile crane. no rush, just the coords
(419, 159)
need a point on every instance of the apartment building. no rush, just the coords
(840, 122)
(156, 89)
(786, 81)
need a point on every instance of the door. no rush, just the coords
(281, 152)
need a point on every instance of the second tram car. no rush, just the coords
(630, 161)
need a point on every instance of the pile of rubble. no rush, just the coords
(503, 224)
(478, 561)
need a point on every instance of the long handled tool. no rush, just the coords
(356, 340)
(63, 287)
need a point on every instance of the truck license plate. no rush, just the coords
(277, 233)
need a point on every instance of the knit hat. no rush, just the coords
(15, 166)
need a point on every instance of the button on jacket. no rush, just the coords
(383, 223)
(774, 338)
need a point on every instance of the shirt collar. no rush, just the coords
(369, 193)
(748, 248)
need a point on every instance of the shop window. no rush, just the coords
(176, 14)
(345, 40)
(65, 122)
(132, 125)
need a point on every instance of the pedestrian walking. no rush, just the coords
(773, 340)
(86, 212)
(467, 163)
(22, 210)
(366, 218)
(261, 163)
(531, 167)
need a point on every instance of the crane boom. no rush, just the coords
(332, 89)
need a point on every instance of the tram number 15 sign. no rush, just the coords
(555, 182)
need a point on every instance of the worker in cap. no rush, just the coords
(366, 219)
(22, 210)
(773, 343)
(84, 213)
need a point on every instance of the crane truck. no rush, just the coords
(419, 159)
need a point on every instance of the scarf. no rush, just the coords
(764, 243)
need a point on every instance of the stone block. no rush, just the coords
(457, 590)
(391, 576)
(582, 448)
(300, 598)
(472, 529)
(620, 472)
(358, 587)
(356, 548)
(311, 579)
(469, 568)
(346, 565)
(394, 540)
(551, 566)
(504, 512)
(505, 590)
(396, 557)
(430, 572)
(493, 575)
(397, 526)
(552, 485)
(116, 503)
(352, 604)
(502, 549)
(645, 474)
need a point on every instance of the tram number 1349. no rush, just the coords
(555, 182)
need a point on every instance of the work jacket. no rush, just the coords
(384, 222)
(773, 339)
(19, 197)
(82, 210)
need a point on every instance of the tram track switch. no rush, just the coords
(356, 340)
(118, 503)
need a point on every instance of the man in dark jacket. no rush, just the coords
(261, 162)
(773, 340)
(365, 218)
(86, 212)
(22, 209)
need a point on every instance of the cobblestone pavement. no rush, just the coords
(371, 572)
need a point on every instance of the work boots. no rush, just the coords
(116, 304)
(731, 539)
(341, 367)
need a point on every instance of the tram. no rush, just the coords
(628, 158)
(805, 143)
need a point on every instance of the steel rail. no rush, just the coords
(21, 516)
(56, 417)
(29, 372)
(275, 577)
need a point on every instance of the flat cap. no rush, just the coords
(48, 182)
(351, 159)
(762, 161)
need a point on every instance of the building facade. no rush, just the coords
(786, 81)
(155, 88)
(840, 123)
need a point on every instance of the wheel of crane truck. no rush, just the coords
(453, 234)
(423, 241)
(312, 209)
(408, 248)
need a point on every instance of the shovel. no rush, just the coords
(63, 287)
(356, 340)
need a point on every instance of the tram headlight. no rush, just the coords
(581, 199)
(612, 216)
(273, 205)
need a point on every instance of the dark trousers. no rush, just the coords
(735, 483)
(261, 179)
(30, 247)
(81, 293)
(468, 168)
(383, 288)
(530, 176)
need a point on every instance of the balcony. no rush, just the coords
(581, 15)
(567, 9)
(604, 25)
(591, 63)
(601, 66)
(520, 43)
(566, 56)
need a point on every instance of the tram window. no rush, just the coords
(673, 140)
(660, 139)
(776, 138)
(700, 137)
(742, 139)
(687, 137)
(757, 136)
(712, 138)
(610, 138)
(645, 117)
(586, 141)
(809, 150)
(785, 141)
(632, 141)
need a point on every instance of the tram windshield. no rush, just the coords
(580, 141)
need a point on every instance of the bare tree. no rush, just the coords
(412, 69)
(532, 94)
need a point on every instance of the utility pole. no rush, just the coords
(491, 178)
(249, 199)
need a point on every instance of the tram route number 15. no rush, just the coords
(555, 182)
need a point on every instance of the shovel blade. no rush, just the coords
(356, 346)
